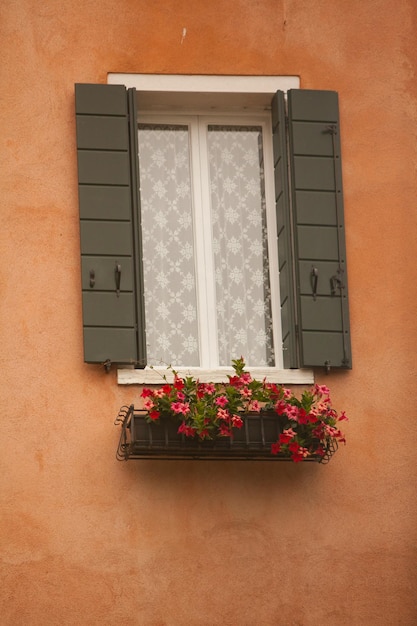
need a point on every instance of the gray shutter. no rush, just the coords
(285, 254)
(108, 197)
(318, 228)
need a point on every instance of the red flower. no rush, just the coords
(296, 457)
(237, 421)
(293, 446)
(275, 448)
(146, 392)
(303, 418)
(178, 383)
(188, 431)
(224, 431)
(280, 407)
(154, 415)
(286, 436)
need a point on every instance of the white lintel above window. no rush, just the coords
(208, 92)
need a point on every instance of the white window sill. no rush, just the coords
(158, 375)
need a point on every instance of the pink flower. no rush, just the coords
(292, 412)
(321, 390)
(180, 395)
(245, 392)
(254, 406)
(246, 378)
(222, 414)
(221, 401)
(148, 404)
(180, 407)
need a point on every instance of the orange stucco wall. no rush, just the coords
(86, 540)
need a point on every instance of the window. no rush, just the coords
(288, 278)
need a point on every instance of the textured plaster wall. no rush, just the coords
(86, 540)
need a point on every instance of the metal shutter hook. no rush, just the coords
(118, 277)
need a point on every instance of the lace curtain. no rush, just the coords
(238, 208)
(243, 299)
(168, 245)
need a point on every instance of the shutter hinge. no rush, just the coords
(107, 365)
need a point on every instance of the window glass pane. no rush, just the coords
(240, 251)
(168, 245)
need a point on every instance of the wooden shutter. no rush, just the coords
(285, 252)
(318, 229)
(112, 293)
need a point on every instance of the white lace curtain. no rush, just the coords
(243, 297)
(239, 246)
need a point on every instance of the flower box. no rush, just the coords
(141, 439)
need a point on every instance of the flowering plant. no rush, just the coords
(209, 411)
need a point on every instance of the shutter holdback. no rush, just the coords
(314, 276)
(118, 277)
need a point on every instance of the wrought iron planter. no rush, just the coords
(160, 440)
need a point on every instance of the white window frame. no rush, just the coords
(226, 93)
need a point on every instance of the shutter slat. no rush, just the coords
(106, 192)
(318, 226)
(101, 168)
(105, 133)
(106, 238)
(99, 343)
(104, 202)
(94, 99)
